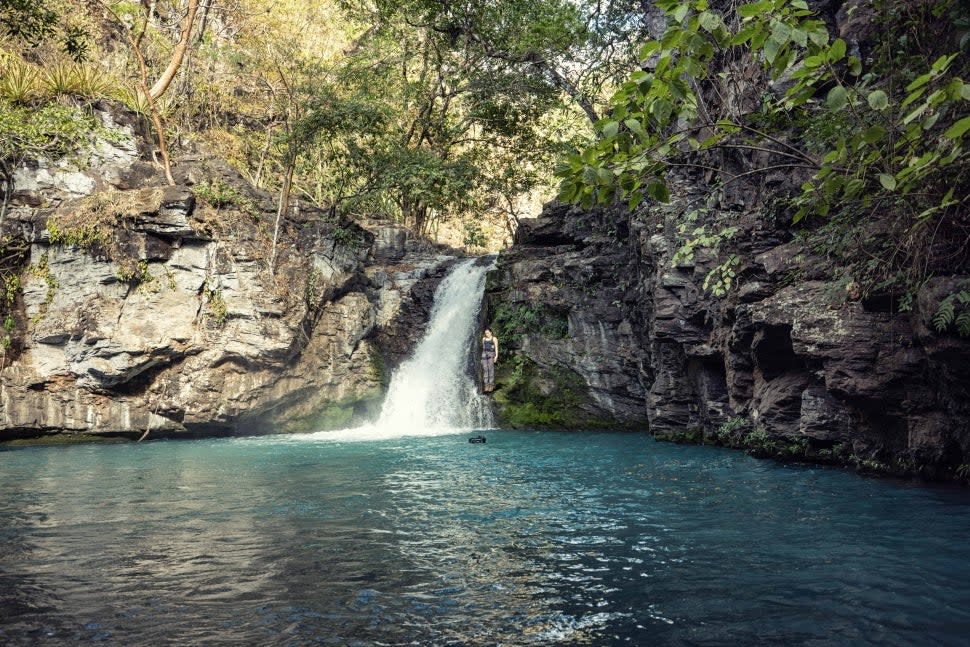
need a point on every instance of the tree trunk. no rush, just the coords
(6, 176)
(203, 21)
(281, 210)
(161, 85)
(262, 156)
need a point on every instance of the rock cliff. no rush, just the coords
(611, 316)
(604, 323)
(134, 306)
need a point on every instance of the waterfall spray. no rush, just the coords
(431, 392)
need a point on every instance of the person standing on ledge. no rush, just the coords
(489, 357)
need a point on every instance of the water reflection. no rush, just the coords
(531, 539)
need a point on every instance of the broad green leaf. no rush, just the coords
(837, 51)
(919, 81)
(887, 181)
(568, 191)
(913, 96)
(878, 100)
(940, 64)
(782, 62)
(874, 134)
(853, 188)
(781, 32)
(837, 98)
(855, 65)
(610, 128)
(772, 48)
(648, 49)
(916, 113)
(744, 35)
(957, 130)
(680, 13)
(635, 127)
(812, 62)
(661, 109)
(752, 9)
(658, 191)
(709, 21)
(819, 36)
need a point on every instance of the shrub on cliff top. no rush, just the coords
(874, 131)
(54, 130)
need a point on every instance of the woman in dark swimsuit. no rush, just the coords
(489, 357)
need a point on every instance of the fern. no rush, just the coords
(954, 310)
(945, 313)
(963, 323)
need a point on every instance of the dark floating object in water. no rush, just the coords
(478, 440)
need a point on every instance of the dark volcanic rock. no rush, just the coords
(801, 370)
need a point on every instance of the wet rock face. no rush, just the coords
(803, 370)
(145, 307)
(560, 298)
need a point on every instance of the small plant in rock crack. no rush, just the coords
(954, 311)
(731, 433)
(217, 307)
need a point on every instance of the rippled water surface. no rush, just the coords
(545, 539)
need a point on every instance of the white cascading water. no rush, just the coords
(432, 393)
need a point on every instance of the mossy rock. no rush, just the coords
(66, 438)
(691, 436)
(334, 415)
(530, 396)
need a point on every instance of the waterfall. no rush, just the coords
(432, 392)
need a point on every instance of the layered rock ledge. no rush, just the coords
(779, 366)
(145, 307)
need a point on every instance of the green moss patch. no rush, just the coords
(65, 439)
(534, 397)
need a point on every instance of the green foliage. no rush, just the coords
(19, 83)
(135, 273)
(217, 309)
(53, 130)
(85, 236)
(887, 141)
(474, 236)
(42, 270)
(954, 310)
(731, 432)
(720, 279)
(837, 453)
(11, 287)
(689, 436)
(347, 236)
(29, 20)
(511, 321)
(529, 396)
(222, 195)
(695, 234)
